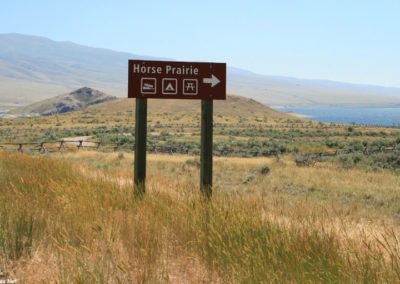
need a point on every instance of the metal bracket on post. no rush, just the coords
(140, 148)
(206, 160)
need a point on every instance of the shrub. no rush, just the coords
(264, 170)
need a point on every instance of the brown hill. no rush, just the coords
(75, 100)
(233, 106)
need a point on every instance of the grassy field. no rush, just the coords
(71, 216)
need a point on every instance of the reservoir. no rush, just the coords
(365, 116)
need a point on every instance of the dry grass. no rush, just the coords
(70, 219)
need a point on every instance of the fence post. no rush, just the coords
(42, 148)
(80, 144)
(61, 145)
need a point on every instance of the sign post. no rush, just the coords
(206, 151)
(176, 80)
(140, 147)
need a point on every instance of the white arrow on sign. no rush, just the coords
(213, 81)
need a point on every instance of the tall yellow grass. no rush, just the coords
(70, 219)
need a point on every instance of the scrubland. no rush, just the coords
(71, 217)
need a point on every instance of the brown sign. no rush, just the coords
(176, 80)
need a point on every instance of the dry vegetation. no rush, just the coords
(66, 218)
(71, 217)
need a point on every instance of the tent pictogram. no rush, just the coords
(169, 86)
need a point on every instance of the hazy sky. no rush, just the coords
(343, 40)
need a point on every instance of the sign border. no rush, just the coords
(210, 76)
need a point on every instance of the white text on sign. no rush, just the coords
(169, 70)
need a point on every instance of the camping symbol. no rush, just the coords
(169, 86)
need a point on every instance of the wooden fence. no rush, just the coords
(301, 159)
(56, 146)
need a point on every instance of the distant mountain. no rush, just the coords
(293, 92)
(75, 100)
(35, 68)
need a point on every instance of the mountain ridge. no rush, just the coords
(33, 68)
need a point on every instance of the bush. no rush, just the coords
(264, 170)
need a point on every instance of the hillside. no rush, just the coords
(233, 106)
(35, 68)
(75, 100)
(93, 101)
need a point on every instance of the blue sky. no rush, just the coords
(351, 41)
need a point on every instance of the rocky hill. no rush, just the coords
(75, 100)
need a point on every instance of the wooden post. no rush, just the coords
(206, 161)
(140, 148)
(42, 148)
(61, 145)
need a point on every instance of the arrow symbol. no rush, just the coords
(213, 81)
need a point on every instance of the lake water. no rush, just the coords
(366, 116)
